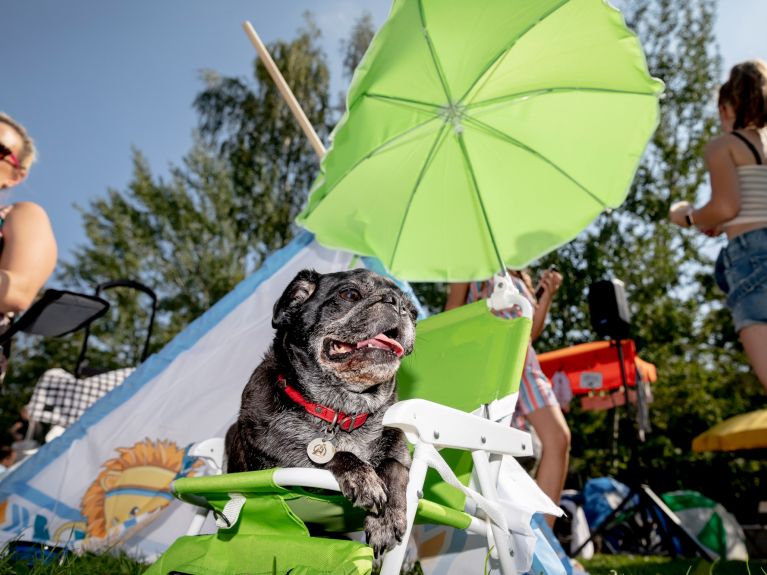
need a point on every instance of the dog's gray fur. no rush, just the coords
(371, 462)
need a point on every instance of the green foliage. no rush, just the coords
(355, 47)
(678, 320)
(192, 236)
(272, 165)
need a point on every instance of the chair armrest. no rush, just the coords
(305, 477)
(442, 426)
(212, 452)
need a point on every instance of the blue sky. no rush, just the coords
(92, 79)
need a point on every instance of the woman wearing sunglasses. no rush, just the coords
(27, 245)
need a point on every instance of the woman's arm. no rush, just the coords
(550, 281)
(725, 192)
(28, 256)
(456, 295)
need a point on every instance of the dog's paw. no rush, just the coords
(364, 488)
(385, 531)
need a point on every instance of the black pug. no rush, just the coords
(319, 396)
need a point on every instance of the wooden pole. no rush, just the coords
(285, 90)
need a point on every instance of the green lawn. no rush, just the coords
(636, 565)
(600, 565)
(89, 564)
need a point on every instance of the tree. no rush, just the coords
(192, 236)
(678, 321)
(353, 49)
(272, 165)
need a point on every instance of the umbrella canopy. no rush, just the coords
(480, 135)
(745, 431)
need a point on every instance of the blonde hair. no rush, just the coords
(28, 153)
(746, 91)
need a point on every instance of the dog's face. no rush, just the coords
(354, 326)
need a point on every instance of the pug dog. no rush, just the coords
(319, 395)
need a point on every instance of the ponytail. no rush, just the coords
(746, 92)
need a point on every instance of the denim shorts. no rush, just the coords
(741, 272)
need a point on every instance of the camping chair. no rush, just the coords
(61, 397)
(55, 314)
(469, 362)
(82, 367)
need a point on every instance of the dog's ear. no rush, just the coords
(298, 291)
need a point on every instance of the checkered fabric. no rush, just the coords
(60, 398)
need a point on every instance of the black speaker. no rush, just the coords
(609, 309)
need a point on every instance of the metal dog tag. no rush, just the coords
(320, 451)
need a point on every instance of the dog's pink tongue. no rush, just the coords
(383, 342)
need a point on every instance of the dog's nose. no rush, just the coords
(390, 298)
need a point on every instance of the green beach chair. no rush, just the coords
(463, 376)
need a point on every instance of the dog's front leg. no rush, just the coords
(359, 481)
(386, 529)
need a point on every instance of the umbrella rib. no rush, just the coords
(381, 147)
(507, 48)
(404, 102)
(432, 152)
(513, 141)
(470, 168)
(544, 91)
(434, 58)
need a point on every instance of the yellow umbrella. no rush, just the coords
(745, 431)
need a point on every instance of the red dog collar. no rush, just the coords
(344, 421)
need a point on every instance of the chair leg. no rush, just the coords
(392, 562)
(487, 487)
(195, 526)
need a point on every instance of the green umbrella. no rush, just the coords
(484, 134)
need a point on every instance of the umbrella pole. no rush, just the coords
(285, 90)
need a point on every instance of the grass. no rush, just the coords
(70, 564)
(636, 565)
(121, 564)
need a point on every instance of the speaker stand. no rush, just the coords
(652, 526)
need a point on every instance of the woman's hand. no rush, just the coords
(678, 212)
(713, 232)
(550, 281)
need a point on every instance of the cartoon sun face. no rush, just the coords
(135, 491)
(135, 483)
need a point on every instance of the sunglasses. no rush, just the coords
(7, 154)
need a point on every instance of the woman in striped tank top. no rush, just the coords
(27, 245)
(537, 403)
(738, 206)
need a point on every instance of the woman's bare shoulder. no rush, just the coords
(723, 141)
(29, 212)
(719, 148)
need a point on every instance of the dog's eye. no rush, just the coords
(350, 294)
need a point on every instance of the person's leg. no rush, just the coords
(754, 339)
(552, 429)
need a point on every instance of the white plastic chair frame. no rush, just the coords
(429, 427)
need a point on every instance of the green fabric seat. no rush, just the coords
(464, 358)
